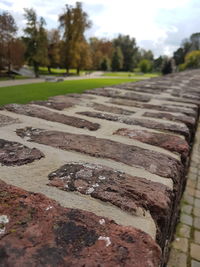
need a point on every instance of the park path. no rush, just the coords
(185, 251)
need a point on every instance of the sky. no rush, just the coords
(158, 25)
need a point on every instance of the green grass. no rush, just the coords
(57, 72)
(130, 74)
(41, 91)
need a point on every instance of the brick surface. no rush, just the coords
(13, 153)
(185, 230)
(181, 244)
(121, 155)
(196, 211)
(154, 162)
(174, 128)
(197, 222)
(167, 141)
(197, 193)
(197, 236)
(187, 209)
(197, 202)
(45, 114)
(57, 236)
(194, 252)
(7, 120)
(114, 187)
(195, 263)
(177, 259)
(186, 219)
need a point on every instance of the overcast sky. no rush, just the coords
(158, 25)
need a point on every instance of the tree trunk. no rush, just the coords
(67, 71)
(49, 69)
(78, 71)
(9, 69)
(36, 69)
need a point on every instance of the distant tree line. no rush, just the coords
(67, 46)
(187, 56)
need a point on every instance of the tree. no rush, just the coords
(100, 48)
(192, 60)
(188, 45)
(117, 59)
(129, 50)
(146, 54)
(167, 66)
(17, 48)
(158, 63)
(195, 41)
(83, 57)
(105, 64)
(54, 46)
(36, 41)
(8, 30)
(73, 23)
(145, 65)
(179, 55)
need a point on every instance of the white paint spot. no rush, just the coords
(102, 221)
(2, 230)
(49, 207)
(95, 185)
(80, 187)
(106, 239)
(102, 178)
(84, 173)
(4, 219)
(90, 190)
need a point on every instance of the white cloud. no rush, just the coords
(141, 19)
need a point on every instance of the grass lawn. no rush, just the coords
(131, 74)
(41, 91)
(57, 72)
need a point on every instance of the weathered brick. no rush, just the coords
(118, 188)
(177, 259)
(196, 211)
(170, 142)
(197, 237)
(194, 251)
(37, 231)
(181, 244)
(197, 202)
(190, 122)
(119, 94)
(184, 230)
(187, 209)
(168, 108)
(186, 219)
(154, 162)
(13, 153)
(111, 109)
(197, 222)
(147, 123)
(197, 193)
(7, 120)
(46, 114)
(195, 263)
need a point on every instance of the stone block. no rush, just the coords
(194, 251)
